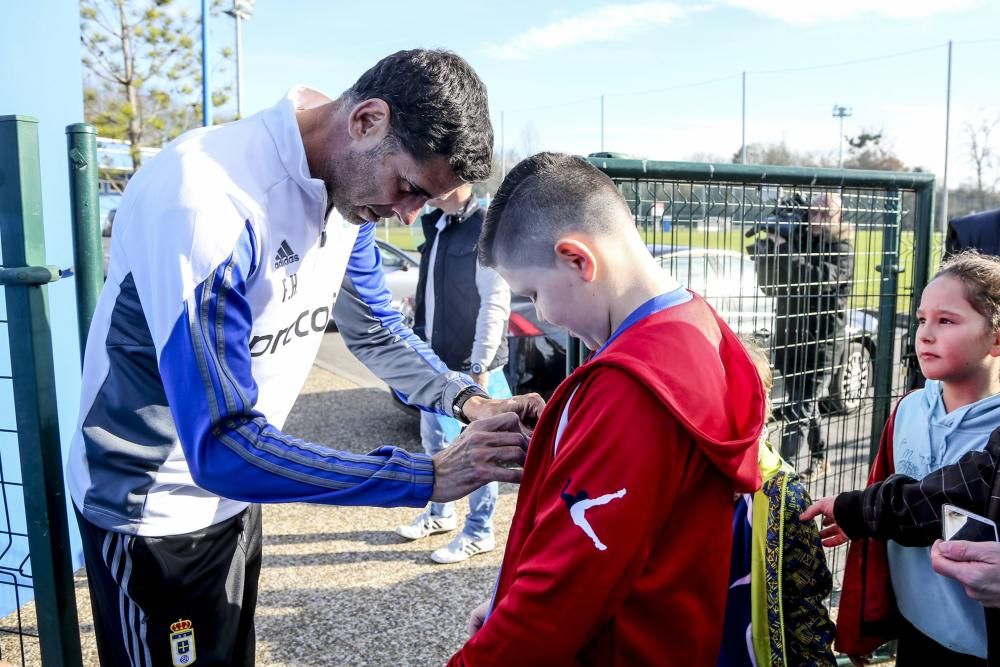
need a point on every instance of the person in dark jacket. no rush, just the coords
(979, 231)
(908, 511)
(808, 268)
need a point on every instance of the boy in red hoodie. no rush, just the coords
(619, 551)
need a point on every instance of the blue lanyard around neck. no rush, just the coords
(674, 297)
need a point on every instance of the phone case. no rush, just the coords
(960, 524)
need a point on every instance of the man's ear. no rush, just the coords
(995, 347)
(576, 255)
(369, 121)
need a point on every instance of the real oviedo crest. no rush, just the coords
(182, 651)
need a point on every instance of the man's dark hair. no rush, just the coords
(543, 197)
(438, 106)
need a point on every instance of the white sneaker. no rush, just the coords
(462, 548)
(425, 525)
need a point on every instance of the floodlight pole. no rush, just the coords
(241, 10)
(841, 113)
(206, 96)
(743, 123)
(947, 136)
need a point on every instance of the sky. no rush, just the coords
(670, 73)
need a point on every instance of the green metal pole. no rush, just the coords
(886, 339)
(88, 255)
(923, 239)
(22, 243)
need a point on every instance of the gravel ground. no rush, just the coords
(338, 587)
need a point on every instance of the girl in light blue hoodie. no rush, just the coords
(958, 347)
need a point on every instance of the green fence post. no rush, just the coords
(88, 254)
(889, 271)
(923, 237)
(22, 243)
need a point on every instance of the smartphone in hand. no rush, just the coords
(960, 524)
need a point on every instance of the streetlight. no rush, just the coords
(841, 113)
(242, 10)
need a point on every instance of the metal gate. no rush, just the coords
(35, 558)
(834, 309)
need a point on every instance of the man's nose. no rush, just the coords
(407, 215)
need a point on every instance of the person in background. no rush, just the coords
(461, 312)
(808, 267)
(779, 578)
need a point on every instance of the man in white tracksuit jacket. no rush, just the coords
(232, 249)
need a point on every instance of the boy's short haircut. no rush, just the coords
(542, 198)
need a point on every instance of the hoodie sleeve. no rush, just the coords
(602, 503)
(908, 511)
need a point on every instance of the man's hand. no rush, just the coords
(492, 448)
(527, 407)
(975, 565)
(477, 618)
(832, 534)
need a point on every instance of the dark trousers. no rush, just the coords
(804, 390)
(915, 649)
(177, 599)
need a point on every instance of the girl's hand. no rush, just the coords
(831, 534)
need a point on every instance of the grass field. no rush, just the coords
(867, 248)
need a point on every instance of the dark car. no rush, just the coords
(728, 281)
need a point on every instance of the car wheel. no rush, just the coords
(852, 383)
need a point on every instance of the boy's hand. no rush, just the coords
(527, 407)
(482, 379)
(490, 449)
(477, 618)
(831, 534)
(975, 565)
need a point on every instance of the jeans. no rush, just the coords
(436, 431)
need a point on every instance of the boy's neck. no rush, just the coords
(646, 285)
(964, 392)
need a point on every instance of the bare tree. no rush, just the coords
(143, 69)
(981, 153)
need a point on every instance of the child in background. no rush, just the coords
(958, 347)
(618, 553)
(779, 577)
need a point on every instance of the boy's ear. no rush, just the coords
(576, 255)
(369, 121)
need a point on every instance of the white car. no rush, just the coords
(401, 272)
(728, 281)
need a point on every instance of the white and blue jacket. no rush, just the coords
(225, 269)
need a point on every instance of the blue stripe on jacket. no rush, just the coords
(230, 447)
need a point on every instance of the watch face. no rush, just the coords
(477, 368)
